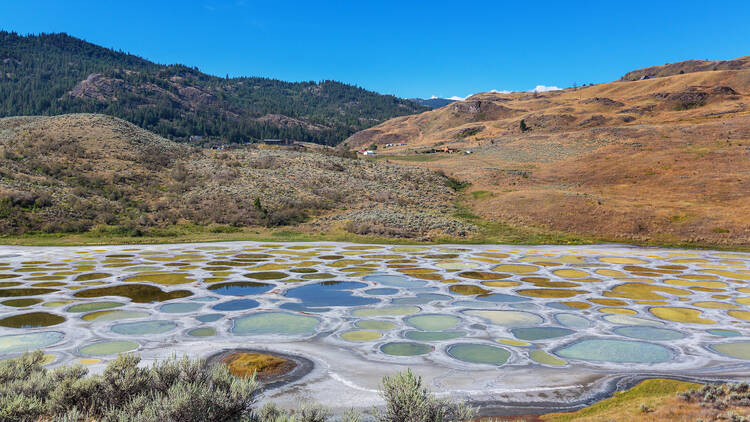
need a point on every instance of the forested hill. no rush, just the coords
(51, 74)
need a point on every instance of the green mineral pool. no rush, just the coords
(739, 350)
(403, 348)
(433, 322)
(361, 335)
(105, 348)
(509, 319)
(202, 332)
(572, 320)
(540, 356)
(93, 306)
(32, 320)
(540, 333)
(113, 315)
(617, 351)
(180, 308)
(479, 353)
(17, 343)
(271, 323)
(433, 335)
(143, 327)
(649, 333)
(375, 325)
(385, 311)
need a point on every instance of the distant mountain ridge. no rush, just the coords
(432, 102)
(50, 74)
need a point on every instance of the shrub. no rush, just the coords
(408, 400)
(172, 390)
(184, 390)
(523, 126)
(265, 162)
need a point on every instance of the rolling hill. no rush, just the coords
(52, 74)
(663, 159)
(80, 173)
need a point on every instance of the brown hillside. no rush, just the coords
(81, 172)
(688, 66)
(664, 159)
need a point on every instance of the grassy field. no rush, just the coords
(627, 161)
(655, 394)
(490, 232)
(495, 233)
(665, 400)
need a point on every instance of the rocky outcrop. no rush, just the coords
(97, 87)
(688, 66)
(479, 110)
(607, 102)
(281, 120)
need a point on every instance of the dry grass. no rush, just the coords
(583, 170)
(256, 364)
(652, 400)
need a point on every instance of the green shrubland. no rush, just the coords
(184, 390)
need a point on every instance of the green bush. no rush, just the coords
(408, 400)
(184, 390)
(172, 390)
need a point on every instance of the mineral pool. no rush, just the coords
(551, 315)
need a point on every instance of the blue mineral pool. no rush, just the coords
(572, 320)
(395, 281)
(724, 333)
(381, 291)
(649, 333)
(209, 317)
(502, 298)
(420, 299)
(236, 305)
(319, 296)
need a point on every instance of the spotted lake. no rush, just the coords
(490, 322)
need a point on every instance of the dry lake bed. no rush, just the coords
(497, 324)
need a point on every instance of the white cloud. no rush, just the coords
(544, 88)
(456, 98)
(505, 91)
(433, 97)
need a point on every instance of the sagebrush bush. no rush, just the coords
(172, 390)
(184, 390)
(408, 400)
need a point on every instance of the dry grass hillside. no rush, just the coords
(87, 172)
(664, 160)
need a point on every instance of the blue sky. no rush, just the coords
(409, 49)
